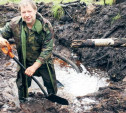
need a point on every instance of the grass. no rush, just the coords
(57, 11)
(58, 1)
(8, 1)
(118, 16)
(109, 2)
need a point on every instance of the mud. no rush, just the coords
(80, 22)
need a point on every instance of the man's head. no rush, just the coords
(28, 11)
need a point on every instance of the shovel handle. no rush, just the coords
(7, 50)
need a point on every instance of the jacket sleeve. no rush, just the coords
(47, 47)
(6, 31)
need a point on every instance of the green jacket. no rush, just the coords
(39, 47)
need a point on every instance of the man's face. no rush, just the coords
(28, 14)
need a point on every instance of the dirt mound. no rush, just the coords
(92, 22)
(102, 22)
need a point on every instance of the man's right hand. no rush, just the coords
(3, 42)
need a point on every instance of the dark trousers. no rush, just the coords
(43, 72)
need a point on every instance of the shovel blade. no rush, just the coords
(57, 99)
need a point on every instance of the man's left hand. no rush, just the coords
(31, 70)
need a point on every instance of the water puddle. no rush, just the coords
(76, 84)
(79, 84)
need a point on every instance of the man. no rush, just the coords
(33, 36)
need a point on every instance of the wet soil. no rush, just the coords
(79, 22)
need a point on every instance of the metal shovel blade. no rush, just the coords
(51, 97)
(57, 99)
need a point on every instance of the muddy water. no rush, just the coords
(76, 85)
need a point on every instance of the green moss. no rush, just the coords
(118, 16)
(57, 11)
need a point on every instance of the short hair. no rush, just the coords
(26, 2)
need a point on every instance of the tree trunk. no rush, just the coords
(113, 42)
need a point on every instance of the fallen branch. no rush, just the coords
(75, 3)
(112, 42)
(78, 1)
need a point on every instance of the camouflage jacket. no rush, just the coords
(39, 48)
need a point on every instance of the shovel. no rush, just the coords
(54, 98)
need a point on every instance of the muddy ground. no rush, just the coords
(79, 22)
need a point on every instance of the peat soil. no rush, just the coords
(80, 22)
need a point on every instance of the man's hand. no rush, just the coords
(31, 70)
(3, 42)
